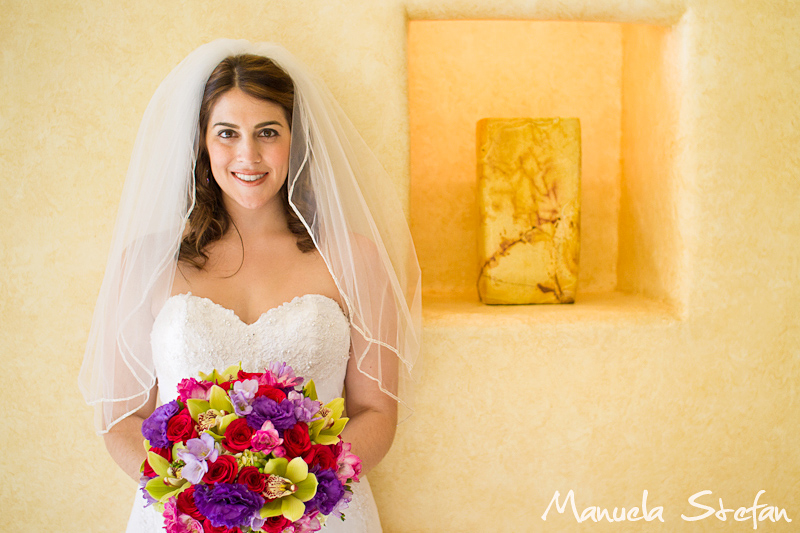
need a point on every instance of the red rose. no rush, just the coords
(248, 375)
(208, 527)
(322, 456)
(181, 427)
(271, 392)
(223, 470)
(237, 436)
(296, 441)
(276, 524)
(186, 504)
(166, 453)
(252, 479)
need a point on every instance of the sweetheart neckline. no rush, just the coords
(187, 295)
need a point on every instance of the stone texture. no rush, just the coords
(529, 203)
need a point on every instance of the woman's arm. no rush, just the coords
(372, 413)
(124, 441)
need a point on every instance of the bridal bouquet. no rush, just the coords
(242, 452)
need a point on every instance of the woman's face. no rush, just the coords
(248, 145)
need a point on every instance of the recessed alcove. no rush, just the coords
(620, 80)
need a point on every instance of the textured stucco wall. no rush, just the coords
(609, 397)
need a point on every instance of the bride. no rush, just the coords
(255, 226)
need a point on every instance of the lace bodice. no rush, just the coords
(193, 334)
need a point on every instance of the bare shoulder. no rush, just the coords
(365, 250)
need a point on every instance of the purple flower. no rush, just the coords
(149, 499)
(256, 522)
(329, 491)
(280, 414)
(284, 375)
(304, 408)
(227, 504)
(154, 428)
(195, 455)
(242, 396)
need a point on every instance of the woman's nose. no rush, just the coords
(248, 151)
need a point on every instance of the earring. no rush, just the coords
(208, 176)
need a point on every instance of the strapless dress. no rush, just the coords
(193, 334)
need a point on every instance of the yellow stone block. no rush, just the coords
(529, 201)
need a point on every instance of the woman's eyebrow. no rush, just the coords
(259, 125)
(268, 123)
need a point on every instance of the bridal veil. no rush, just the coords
(336, 186)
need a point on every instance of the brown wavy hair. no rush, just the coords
(260, 78)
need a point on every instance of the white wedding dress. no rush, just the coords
(310, 333)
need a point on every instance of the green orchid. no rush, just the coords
(168, 483)
(213, 414)
(326, 430)
(289, 485)
(222, 377)
(310, 390)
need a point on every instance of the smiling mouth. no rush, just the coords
(249, 178)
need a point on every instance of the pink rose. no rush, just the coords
(349, 464)
(266, 439)
(190, 388)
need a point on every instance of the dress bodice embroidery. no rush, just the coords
(192, 334)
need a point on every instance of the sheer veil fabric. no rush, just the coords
(337, 188)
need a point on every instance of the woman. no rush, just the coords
(255, 226)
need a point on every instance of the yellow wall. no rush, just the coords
(685, 382)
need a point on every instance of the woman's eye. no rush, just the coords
(226, 134)
(268, 132)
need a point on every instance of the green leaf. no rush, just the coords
(197, 407)
(292, 508)
(220, 400)
(307, 488)
(159, 465)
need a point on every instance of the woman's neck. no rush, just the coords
(256, 224)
